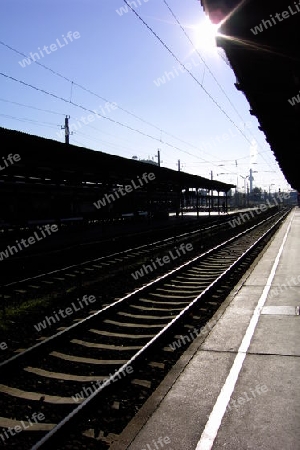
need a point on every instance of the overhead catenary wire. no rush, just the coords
(110, 144)
(73, 83)
(25, 119)
(186, 69)
(190, 73)
(57, 97)
(203, 60)
(32, 107)
(206, 65)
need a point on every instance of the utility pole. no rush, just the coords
(251, 181)
(67, 131)
(179, 165)
(211, 200)
(158, 157)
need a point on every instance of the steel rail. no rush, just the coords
(74, 416)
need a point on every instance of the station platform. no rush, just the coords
(237, 387)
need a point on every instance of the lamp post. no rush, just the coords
(245, 188)
(251, 179)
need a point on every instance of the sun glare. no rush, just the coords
(205, 36)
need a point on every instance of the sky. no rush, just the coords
(131, 86)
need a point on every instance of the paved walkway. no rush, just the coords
(238, 387)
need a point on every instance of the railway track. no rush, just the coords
(74, 277)
(104, 366)
(46, 292)
(69, 247)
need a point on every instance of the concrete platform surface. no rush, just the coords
(238, 386)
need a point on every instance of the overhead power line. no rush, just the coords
(25, 119)
(186, 69)
(119, 107)
(32, 107)
(207, 66)
(104, 117)
(73, 83)
(202, 59)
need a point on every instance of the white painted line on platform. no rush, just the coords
(214, 421)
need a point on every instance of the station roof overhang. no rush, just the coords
(47, 159)
(267, 68)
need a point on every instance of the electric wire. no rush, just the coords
(57, 97)
(32, 107)
(24, 119)
(73, 83)
(203, 60)
(187, 70)
(123, 109)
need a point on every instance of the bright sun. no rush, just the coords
(205, 36)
